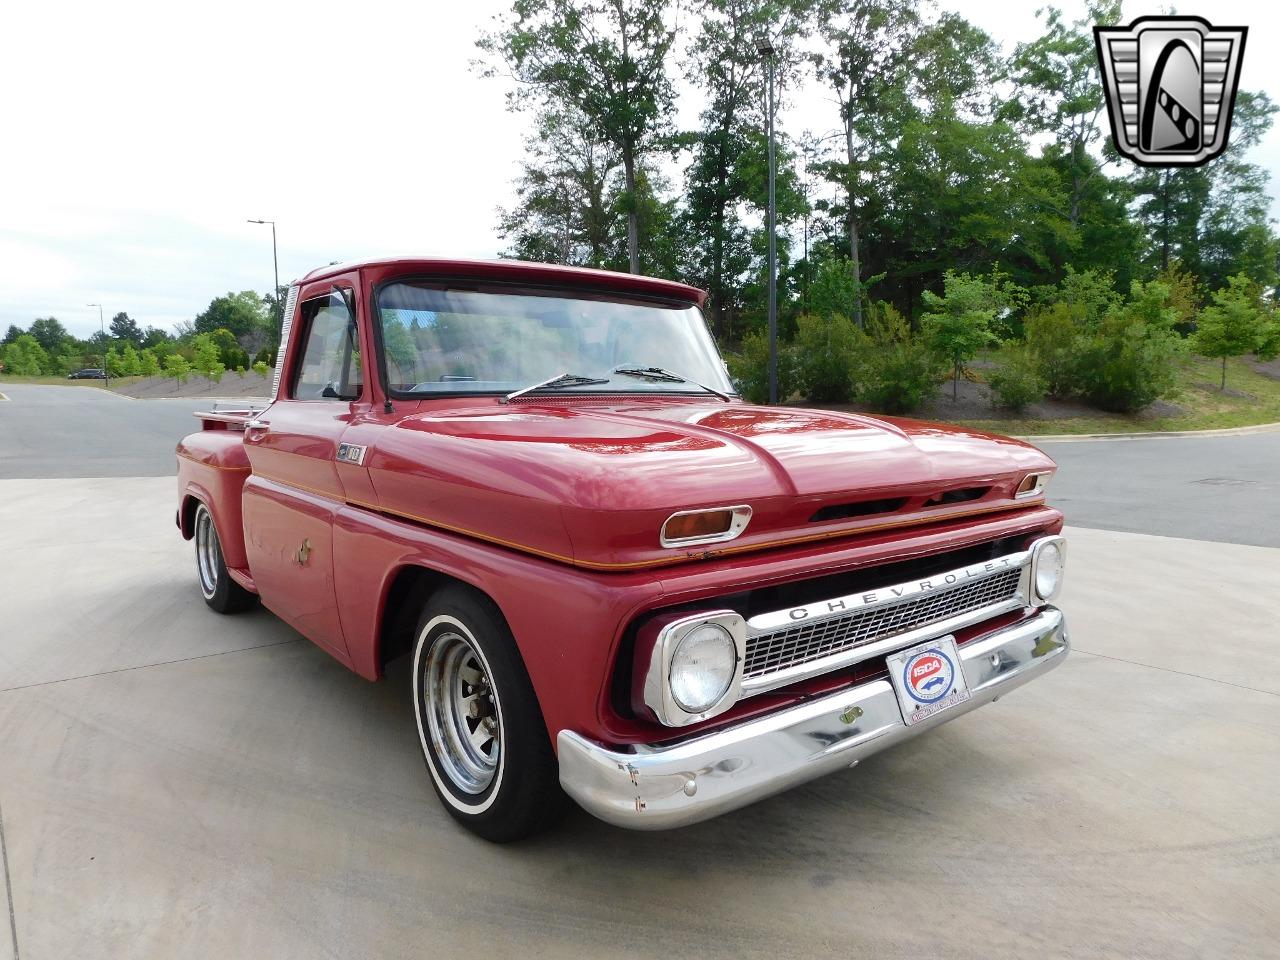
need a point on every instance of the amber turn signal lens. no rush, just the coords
(691, 525)
(1032, 484)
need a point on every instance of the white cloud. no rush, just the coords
(141, 135)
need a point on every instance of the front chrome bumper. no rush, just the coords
(656, 788)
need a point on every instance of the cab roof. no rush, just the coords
(517, 271)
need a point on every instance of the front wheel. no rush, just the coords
(216, 586)
(479, 725)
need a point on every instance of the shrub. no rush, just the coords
(1051, 340)
(1016, 383)
(1130, 361)
(824, 352)
(896, 376)
(834, 291)
(749, 369)
(240, 372)
(261, 368)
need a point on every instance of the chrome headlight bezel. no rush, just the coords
(658, 695)
(1041, 551)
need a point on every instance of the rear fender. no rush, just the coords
(212, 468)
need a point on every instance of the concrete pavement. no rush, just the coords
(175, 783)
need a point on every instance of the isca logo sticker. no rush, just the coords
(928, 676)
(1171, 85)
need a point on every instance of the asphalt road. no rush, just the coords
(1224, 488)
(175, 783)
(50, 431)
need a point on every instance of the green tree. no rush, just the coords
(205, 356)
(149, 364)
(243, 313)
(727, 185)
(12, 334)
(958, 323)
(50, 334)
(866, 50)
(564, 210)
(230, 352)
(154, 336)
(176, 366)
(1214, 219)
(1236, 322)
(25, 357)
(124, 327)
(1059, 92)
(261, 368)
(604, 59)
(113, 363)
(130, 364)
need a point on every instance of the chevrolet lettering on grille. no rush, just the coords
(871, 598)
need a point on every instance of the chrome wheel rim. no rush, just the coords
(462, 713)
(208, 552)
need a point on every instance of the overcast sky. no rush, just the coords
(139, 136)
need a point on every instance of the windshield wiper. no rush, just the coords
(554, 383)
(667, 376)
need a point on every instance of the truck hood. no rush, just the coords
(592, 483)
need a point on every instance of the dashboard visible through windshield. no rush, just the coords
(439, 340)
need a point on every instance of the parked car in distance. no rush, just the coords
(615, 580)
(88, 373)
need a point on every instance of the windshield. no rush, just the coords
(439, 340)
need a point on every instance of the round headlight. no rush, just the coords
(702, 667)
(1050, 565)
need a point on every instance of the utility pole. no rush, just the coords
(766, 50)
(275, 291)
(106, 374)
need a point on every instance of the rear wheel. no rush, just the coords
(216, 586)
(482, 733)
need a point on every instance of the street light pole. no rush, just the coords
(275, 291)
(102, 328)
(766, 50)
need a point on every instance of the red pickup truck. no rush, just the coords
(617, 581)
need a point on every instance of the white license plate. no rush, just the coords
(928, 679)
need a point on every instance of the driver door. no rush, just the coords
(296, 488)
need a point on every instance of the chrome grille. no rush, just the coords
(769, 653)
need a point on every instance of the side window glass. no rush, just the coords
(330, 365)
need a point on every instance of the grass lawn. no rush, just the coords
(1251, 398)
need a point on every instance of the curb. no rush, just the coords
(1151, 434)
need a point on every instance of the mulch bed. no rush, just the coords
(232, 386)
(974, 403)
